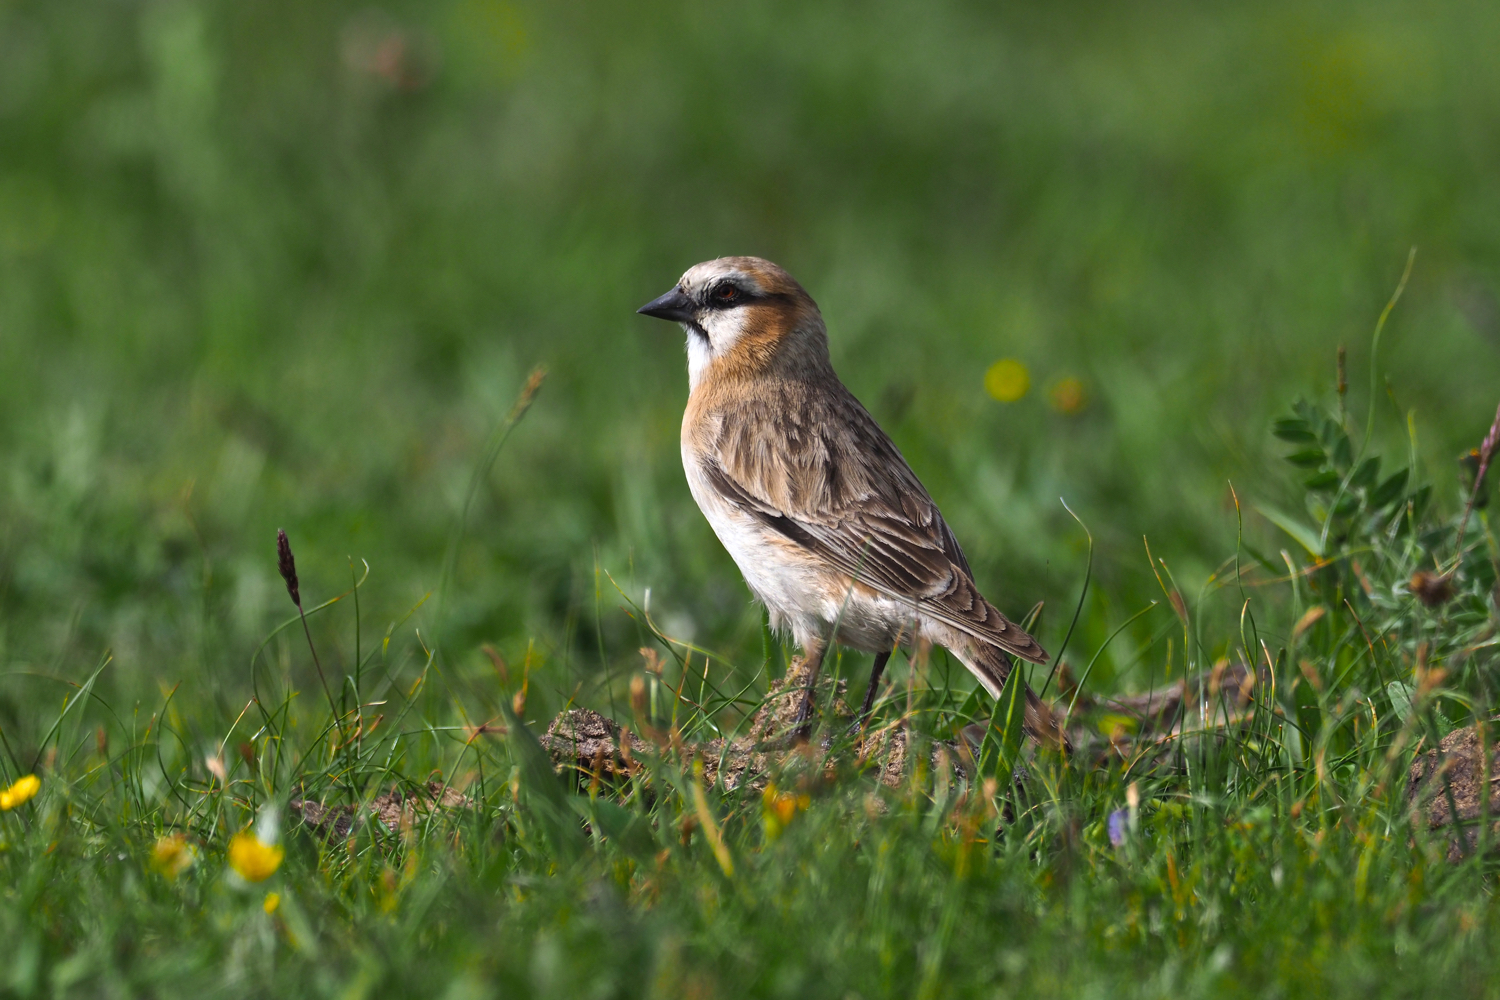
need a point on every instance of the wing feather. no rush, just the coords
(843, 491)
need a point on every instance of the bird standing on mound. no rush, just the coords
(831, 528)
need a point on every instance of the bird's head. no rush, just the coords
(744, 316)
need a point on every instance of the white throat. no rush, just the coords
(699, 355)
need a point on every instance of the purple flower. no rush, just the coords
(1118, 826)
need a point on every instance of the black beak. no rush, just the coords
(673, 306)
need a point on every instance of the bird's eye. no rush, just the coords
(726, 294)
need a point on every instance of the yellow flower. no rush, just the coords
(273, 900)
(173, 855)
(20, 792)
(1067, 396)
(254, 860)
(1007, 380)
(778, 809)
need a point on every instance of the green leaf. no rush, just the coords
(1419, 501)
(1390, 490)
(1401, 695)
(1307, 456)
(972, 708)
(1325, 480)
(545, 795)
(629, 831)
(1310, 413)
(1294, 429)
(1366, 474)
(1005, 736)
(1305, 536)
(1340, 450)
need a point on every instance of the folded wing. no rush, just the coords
(843, 491)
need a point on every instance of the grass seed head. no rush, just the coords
(1491, 440)
(638, 703)
(288, 566)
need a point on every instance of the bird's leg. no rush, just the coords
(875, 672)
(812, 654)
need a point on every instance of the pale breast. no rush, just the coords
(804, 596)
(779, 575)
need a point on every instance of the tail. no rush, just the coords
(992, 665)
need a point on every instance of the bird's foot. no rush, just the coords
(803, 725)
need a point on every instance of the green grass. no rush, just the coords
(252, 276)
(1275, 856)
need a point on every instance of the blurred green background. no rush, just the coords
(276, 264)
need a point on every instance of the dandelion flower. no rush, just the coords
(252, 858)
(273, 900)
(173, 855)
(1007, 380)
(20, 792)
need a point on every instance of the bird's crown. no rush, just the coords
(722, 280)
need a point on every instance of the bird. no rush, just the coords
(834, 533)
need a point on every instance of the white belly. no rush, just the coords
(802, 596)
